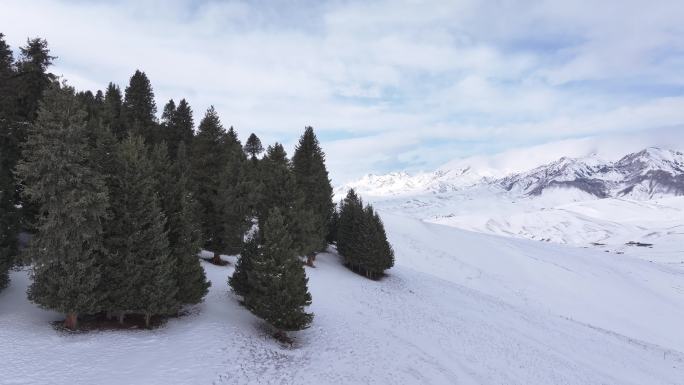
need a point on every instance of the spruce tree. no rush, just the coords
(9, 155)
(33, 76)
(67, 248)
(239, 281)
(140, 272)
(311, 176)
(278, 285)
(177, 125)
(381, 253)
(112, 112)
(209, 159)
(253, 146)
(32, 79)
(332, 226)
(139, 108)
(182, 227)
(349, 229)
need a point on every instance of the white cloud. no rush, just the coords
(398, 81)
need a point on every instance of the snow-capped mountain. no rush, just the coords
(649, 173)
(641, 175)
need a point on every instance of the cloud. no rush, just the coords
(387, 84)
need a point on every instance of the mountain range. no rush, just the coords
(646, 174)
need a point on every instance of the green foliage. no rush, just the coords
(139, 109)
(140, 273)
(277, 284)
(112, 117)
(71, 197)
(239, 281)
(9, 154)
(177, 125)
(311, 177)
(361, 238)
(253, 146)
(182, 226)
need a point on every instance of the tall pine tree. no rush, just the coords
(278, 290)
(141, 270)
(67, 248)
(209, 159)
(112, 111)
(139, 108)
(311, 177)
(239, 281)
(182, 227)
(9, 154)
(177, 125)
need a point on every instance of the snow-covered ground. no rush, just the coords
(459, 308)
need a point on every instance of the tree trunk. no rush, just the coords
(310, 260)
(121, 318)
(217, 259)
(147, 320)
(71, 321)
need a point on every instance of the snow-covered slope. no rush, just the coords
(458, 308)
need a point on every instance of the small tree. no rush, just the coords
(67, 248)
(253, 146)
(239, 281)
(278, 285)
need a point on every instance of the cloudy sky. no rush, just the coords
(388, 85)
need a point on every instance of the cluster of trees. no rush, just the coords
(361, 238)
(119, 203)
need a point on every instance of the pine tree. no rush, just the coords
(182, 227)
(141, 269)
(311, 176)
(208, 169)
(361, 238)
(139, 108)
(177, 125)
(332, 226)
(349, 229)
(32, 79)
(239, 281)
(9, 154)
(253, 146)
(33, 76)
(112, 112)
(278, 285)
(381, 254)
(67, 248)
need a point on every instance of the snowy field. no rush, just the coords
(459, 308)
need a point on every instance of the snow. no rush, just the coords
(458, 308)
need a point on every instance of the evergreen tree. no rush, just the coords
(139, 108)
(9, 154)
(349, 229)
(239, 281)
(208, 169)
(253, 146)
(141, 270)
(311, 176)
(112, 111)
(32, 79)
(33, 76)
(361, 238)
(381, 253)
(67, 248)
(278, 285)
(332, 226)
(177, 125)
(182, 227)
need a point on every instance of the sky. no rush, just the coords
(387, 85)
